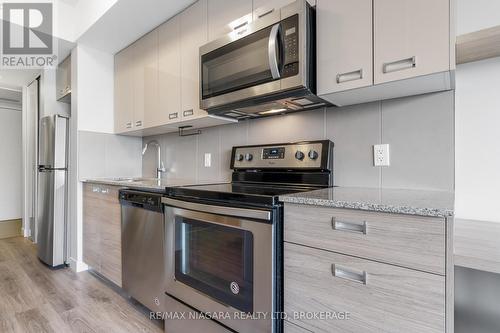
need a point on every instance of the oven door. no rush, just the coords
(220, 260)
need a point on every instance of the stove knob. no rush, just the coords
(299, 155)
(313, 155)
(248, 157)
(239, 157)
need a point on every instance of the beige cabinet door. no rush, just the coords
(169, 73)
(124, 91)
(412, 38)
(225, 16)
(92, 215)
(344, 45)
(63, 78)
(110, 235)
(262, 8)
(193, 35)
(145, 67)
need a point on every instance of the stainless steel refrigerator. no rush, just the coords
(52, 189)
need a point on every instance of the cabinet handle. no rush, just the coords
(350, 76)
(138, 123)
(399, 65)
(174, 115)
(128, 125)
(349, 274)
(188, 113)
(266, 13)
(239, 26)
(349, 226)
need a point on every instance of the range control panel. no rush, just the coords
(301, 155)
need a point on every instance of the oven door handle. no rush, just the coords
(273, 55)
(220, 210)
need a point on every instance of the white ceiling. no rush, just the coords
(12, 96)
(127, 20)
(16, 78)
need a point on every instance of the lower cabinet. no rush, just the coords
(102, 230)
(352, 271)
(357, 295)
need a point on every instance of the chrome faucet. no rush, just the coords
(160, 168)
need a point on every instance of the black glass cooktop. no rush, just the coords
(256, 194)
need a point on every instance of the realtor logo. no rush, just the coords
(27, 28)
(27, 35)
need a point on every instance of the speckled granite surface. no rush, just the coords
(413, 202)
(150, 184)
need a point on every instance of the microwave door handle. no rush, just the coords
(273, 55)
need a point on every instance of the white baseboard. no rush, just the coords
(77, 266)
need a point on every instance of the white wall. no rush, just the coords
(11, 159)
(477, 117)
(477, 160)
(473, 15)
(95, 78)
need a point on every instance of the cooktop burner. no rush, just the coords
(237, 192)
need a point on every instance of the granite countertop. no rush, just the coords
(399, 201)
(151, 184)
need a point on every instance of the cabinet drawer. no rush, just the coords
(405, 240)
(376, 297)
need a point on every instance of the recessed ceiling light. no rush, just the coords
(272, 111)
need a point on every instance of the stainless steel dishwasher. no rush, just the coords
(143, 238)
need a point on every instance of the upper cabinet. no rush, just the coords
(193, 35)
(263, 7)
(63, 81)
(225, 16)
(409, 50)
(412, 38)
(145, 78)
(169, 72)
(124, 90)
(344, 45)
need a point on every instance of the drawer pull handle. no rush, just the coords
(188, 113)
(348, 274)
(128, 125)
(266, 13)
(399, 65)
(138, 123)
(173, 115)
(350, 76)
(239, 26)
(349, 226)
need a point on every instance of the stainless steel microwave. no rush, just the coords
(265, 67)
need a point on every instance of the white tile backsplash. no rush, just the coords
(418, 128)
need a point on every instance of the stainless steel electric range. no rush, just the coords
(224, 242)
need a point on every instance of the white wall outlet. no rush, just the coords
(381, 155)
(208, 160)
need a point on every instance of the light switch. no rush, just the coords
(208, 160)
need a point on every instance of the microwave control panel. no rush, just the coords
(290, 32)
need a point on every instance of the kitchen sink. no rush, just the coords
(133, 180)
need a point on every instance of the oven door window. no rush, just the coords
(241, 64)
(215, 260)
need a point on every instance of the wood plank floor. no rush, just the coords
(34, 298)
